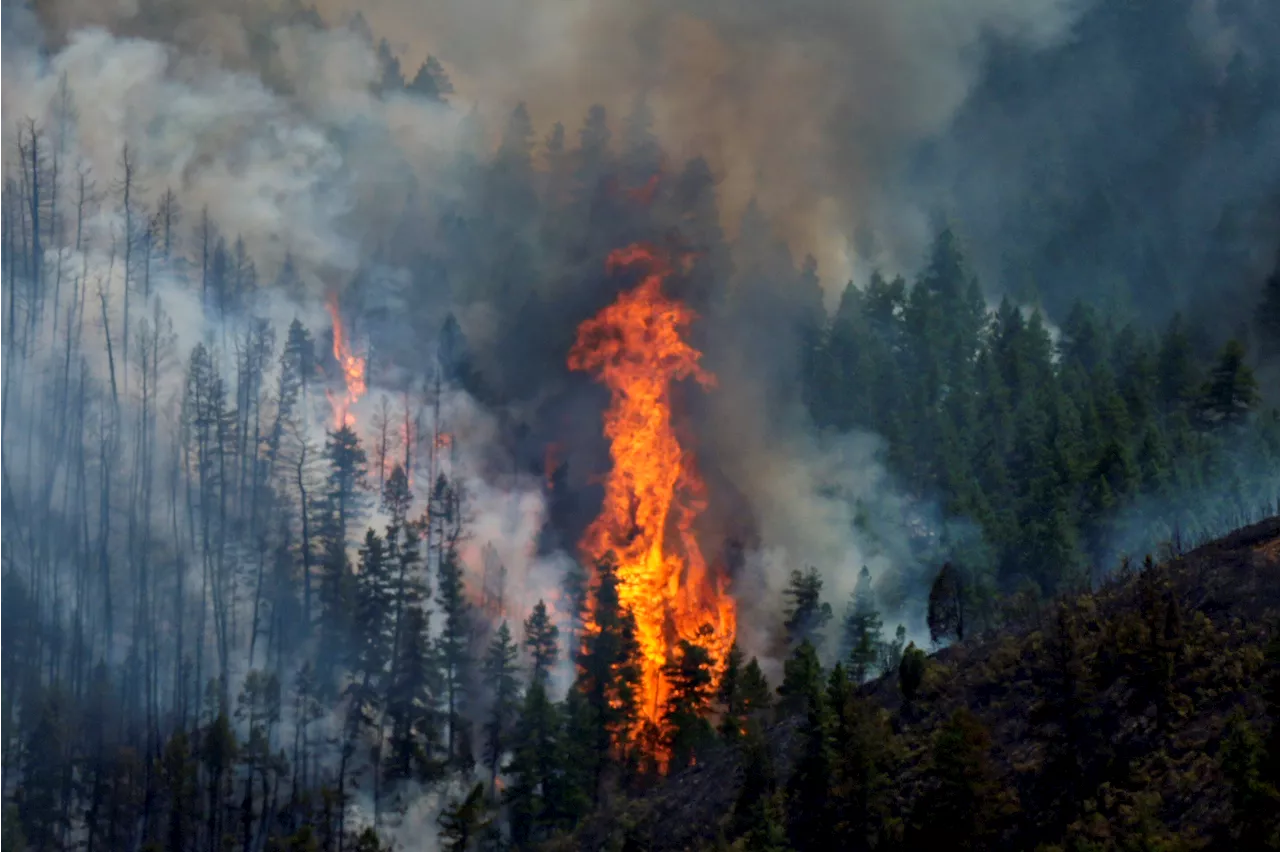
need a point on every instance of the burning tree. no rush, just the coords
(653, 493)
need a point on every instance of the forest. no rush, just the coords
(307, 533)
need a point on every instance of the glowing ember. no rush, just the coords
(652, 493)
(352, 372)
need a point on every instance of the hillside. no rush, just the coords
(1149, 747)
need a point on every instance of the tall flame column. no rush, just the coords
(653, 492)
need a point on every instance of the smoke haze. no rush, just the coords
(749, 140)
(809, 109)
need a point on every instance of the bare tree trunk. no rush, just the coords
(126, 166)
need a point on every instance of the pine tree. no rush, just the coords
(755, 814)
(1232, 390)
(609, 675)
(808, 788)
(911, 672)
(965, 804)
(863, 747)
(454, 647)
(862, 630)
(499, 675)
(947, 605)
(371, 628)
(801, 679)
(729, 696)
(343, 505)
(754, 694)
(807, 614)
(1254, 802)
(533, 797)
(410, 705)
(346, 481)
(541, 640)
(431, 81)
(691, 683)
(1069, 708)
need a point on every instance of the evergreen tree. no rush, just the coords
(729, 696)
(947, 605)
(499, 671)
(755, 695)
(431, 81)
(533, 795)
(807, 614)
(691, 689)
(801, 679)
(911, 672)
(371, 628)
(863, 747)
(808, 788)
(1232, 390)
(965, 804)
(411, 698)
(862, 630)
(1254, 802)
(454, 648)
(541, 640)
(346, 481)
(343, 506)
(1070, 710)
(756, 814)
(609, 675)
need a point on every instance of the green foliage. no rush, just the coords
(801, 679)
(498, 671)
(807, 613)
(1057, 461)
(1254, 802)
(691, 681)
(609, 675)
(862, 630)
(808, 790)
(541, 640)
(965, 803)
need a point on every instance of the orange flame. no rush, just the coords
(352, 371)
(634, 347)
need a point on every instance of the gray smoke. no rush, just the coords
(811, 109)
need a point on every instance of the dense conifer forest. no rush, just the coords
(291, 517)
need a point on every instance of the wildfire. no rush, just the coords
(352, 372)
(653, 493)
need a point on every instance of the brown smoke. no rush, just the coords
(805, 106)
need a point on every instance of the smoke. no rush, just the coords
(806, 107)
(834, 129)
(271, 125)
(810, 109)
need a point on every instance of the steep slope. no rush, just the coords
(1149, 766)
